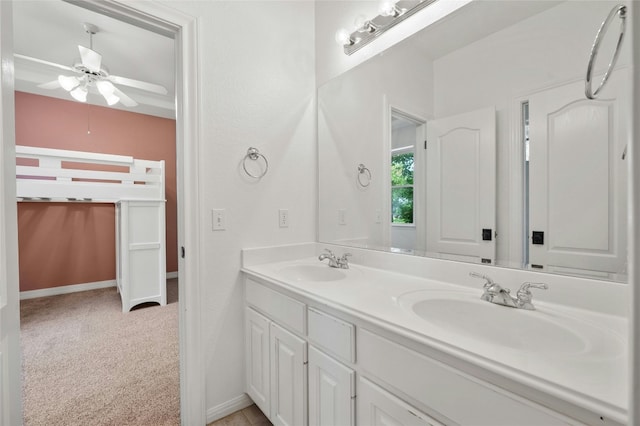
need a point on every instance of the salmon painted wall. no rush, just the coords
(68, 243)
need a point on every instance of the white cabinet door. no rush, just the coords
(288, 378)
(461, 186)
(257, 359)
(377, 407)
(578, 178)
(331, 391)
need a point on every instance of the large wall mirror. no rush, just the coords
(473, 140)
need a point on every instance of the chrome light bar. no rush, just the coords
(391, 15)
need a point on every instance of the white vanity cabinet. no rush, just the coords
(256, 335)
(276, 370)
(288, 369)
(377, 407)
(275, 358)
(379, 381)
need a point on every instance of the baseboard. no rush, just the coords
(226, 408)
(65, 289)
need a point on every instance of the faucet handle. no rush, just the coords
(343, 262)
(524, 288)
(525, 296)
(489, 282)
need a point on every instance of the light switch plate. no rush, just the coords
(283, 218)
(218, 220)
(342, 217)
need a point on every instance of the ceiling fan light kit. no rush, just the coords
(68, 83)
(79, 94)
(92, 73)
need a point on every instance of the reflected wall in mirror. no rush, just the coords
(481, 144)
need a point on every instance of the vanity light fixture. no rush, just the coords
(391, 13)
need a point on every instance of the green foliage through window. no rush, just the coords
(402, 188)
(402, 169)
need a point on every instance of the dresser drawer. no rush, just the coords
(332, 334)
(282, 309)
(460, 397)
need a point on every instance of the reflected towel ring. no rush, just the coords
(253, 154)
(363, 171)
(621, 11)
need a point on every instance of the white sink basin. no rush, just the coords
(540, 331)
(308, 272)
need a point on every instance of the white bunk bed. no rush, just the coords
(136, 187)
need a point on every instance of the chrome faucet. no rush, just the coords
(335, 262)
(495, 293)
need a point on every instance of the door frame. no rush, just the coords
(389, 110)
(10, 354)
(158, 18)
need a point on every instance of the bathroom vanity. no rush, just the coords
(369, 346)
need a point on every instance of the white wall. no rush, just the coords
(257, 88)
(353, 118)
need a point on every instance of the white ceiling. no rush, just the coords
(51, 30)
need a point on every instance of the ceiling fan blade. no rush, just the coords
(41, 61)
(50, 85)
(90, 58)
(149, 87)
(126, 100)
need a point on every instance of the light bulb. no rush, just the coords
(79, 94)
(105, 88)
(111, 99)
(67, 82)
(358, 23)
(388, 8)
(343, 37)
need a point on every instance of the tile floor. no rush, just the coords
(250, 416)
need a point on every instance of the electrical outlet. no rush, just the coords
(342, 216)
(218, 220)
(378, 216)
(283, 218)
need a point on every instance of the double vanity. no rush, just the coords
(389, 339)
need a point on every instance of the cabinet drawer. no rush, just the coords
(377, 407)
(463, 399)
(280, 308)
(332, 334)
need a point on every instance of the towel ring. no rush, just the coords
(253, 154)
(363, 171)
(621, 11)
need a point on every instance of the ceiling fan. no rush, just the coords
(91, 72)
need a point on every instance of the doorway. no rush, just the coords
(184, 32)
(407, 163)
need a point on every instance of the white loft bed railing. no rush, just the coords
(135, 186)
(62, 175)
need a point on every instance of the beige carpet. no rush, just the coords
(87, 363)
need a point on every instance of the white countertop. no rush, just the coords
(596, 381)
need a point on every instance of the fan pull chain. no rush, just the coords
(88, 119)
